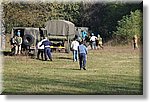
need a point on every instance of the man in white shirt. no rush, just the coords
(93, 41)
(40, 49)
(74, 47)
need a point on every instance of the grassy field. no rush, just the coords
(114, 70)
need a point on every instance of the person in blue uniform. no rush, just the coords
(47, 49)
(84, 34)
(82, 55)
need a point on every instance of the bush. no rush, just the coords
(129, 26)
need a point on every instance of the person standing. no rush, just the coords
(40, 49)
(135, 41)
(18, 43)
(13, 44)
(82, 55)
(93, 41)
(47, 49)
(99, 42)
(74, 47)
(84, 34)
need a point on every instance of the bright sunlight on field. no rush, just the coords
(114, 70)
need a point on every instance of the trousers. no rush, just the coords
(75, 55)
(82, 60)
(47, 52)
(40, 51)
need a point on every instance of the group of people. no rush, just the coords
(44, 49)
(79, 52)
(78, 47)
(16, 42)
(96, 42)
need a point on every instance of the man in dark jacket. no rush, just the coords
(13, 44)
(47, 49)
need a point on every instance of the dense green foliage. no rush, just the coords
(130, 25)
(101, 18)
(35, 15)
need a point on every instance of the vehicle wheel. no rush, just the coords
(28, 39)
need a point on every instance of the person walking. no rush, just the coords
(93, 41)
(82, 55)
(47, 49)
(74, 47)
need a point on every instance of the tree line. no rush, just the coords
(110, 20)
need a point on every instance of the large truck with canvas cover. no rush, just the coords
(60, 33)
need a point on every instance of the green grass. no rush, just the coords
(114, 70)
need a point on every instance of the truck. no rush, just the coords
(60, 33)
(30, 37)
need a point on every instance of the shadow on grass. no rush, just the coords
(63, 58)
(72, 87)
(75, 69)
(6, 53)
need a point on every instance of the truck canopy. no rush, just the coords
(60, 27)
(25, 30)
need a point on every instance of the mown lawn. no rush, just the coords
(114, 70)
